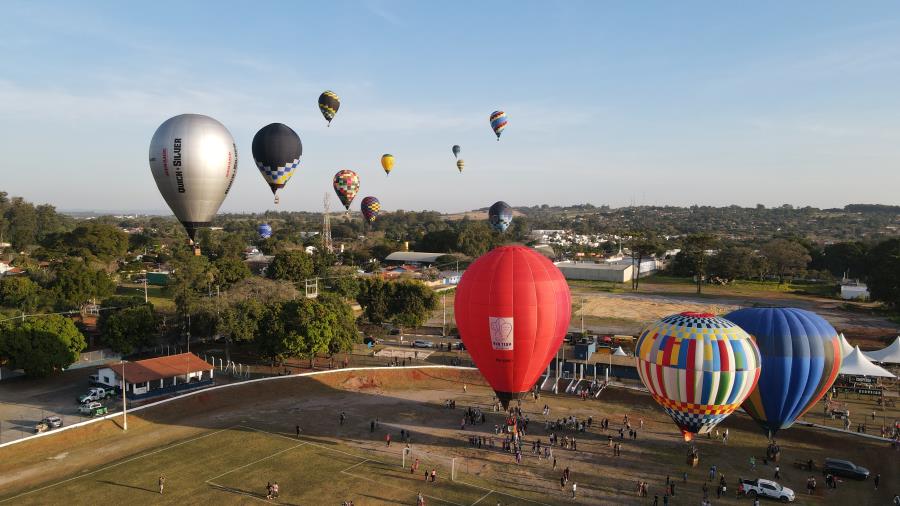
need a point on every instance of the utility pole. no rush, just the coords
(444, 304)
(124, 404)
(582, 317)
(145, 286)
(189, 333)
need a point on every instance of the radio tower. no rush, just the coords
(326, 227)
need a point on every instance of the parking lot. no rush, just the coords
(24, 402)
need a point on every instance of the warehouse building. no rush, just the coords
(619, 273)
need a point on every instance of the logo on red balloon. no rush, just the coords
(501, 333)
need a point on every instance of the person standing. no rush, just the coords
(343, 417)
(420, 501)
(574, 489)
(777, 472)
(877, 476)
(752, 462)
(387, 438)
(298, 432)
(433, 475)
(162, 483)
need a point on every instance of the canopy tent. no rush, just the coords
(619, 352)
(856, 364)
(846, 348)
(887, 355)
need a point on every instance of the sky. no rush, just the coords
(618, 103)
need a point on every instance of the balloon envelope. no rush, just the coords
(460, 164)
(193, 159)
(512, 310)
(498, 122)
(264, 230)
(346, 184)
(276, 151)
(387, 163)
(329, 103)
(456, 150)
(801, 357)
(500, 216)
(370, 208)
(698, 367)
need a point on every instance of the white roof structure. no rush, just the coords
(414, 256)
(887, 355)
(846, 348)
(619, 352)
(856, 364)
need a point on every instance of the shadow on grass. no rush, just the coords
(107, 482)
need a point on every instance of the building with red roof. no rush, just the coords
(158, 376)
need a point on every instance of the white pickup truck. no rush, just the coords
(767, 488)
(95, 394)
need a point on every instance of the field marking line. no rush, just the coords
(482, 497)
(503, 493)
(236, 491)
(115, 465)
(354, 465)
(255, 462)
(400, 488)
(307, 442)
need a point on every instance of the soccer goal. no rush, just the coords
(443, 465)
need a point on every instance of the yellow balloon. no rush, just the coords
(387, 161)
(460, 164)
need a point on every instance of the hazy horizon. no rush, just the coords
(643, 104)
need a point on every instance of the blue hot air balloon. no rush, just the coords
(265, 230)
(801, 357)
(500, 215)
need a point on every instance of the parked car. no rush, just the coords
(768, 488)
(421, 343)
(89, 407)
(845, 468)
(51, 422)
(95, 394)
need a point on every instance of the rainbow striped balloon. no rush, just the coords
(698, 367)
(498, 122)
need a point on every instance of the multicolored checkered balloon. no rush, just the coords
(370, 208)
(698, 367)
(346, 184)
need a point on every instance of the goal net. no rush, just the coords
(418, 462)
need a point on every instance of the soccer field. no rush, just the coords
(233, 466)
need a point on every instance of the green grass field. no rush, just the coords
(233, 466)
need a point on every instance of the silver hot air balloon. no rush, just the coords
(193, 159)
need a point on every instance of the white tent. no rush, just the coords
(856, 364)
(888, 355)
(846, 349)
(619, 352)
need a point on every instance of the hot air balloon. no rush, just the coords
(193, 159)
(456, 150)
(512, 311)
(698, 367)
(276, 151)
(801, 357)
(264, 230)
(498, 122)
(500, 216)
(370, 208)
(387, 163)
(346, 184)
(460, 164)
(329, 103)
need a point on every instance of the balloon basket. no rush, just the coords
(693, 460)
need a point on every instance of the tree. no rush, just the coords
(411, 303)
(345, 331)
(307, 327)
(787, 258)
(883, 278)
(643, 247)
(75, 283)
(475, 238)
(18, 292)
(292, 265)
(127, 330)
(41, 345)
(100, 240)
(343, 282)
(374, 297)
(241, 321)
(732, 262)
(22, 224)
(845, 258)
(230, 270)
(693, 256)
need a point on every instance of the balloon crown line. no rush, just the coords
(694, 314)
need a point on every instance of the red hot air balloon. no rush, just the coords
(512, 311)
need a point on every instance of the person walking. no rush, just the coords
(752, 462)
(297, 430)
(343, 417)
(877, 476)
(420, 501)
(387, 438)
(574, 489)
(655, 500)
(777, 472)
(162, 483)
(433, 475)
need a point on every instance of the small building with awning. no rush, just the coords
(160, 376)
